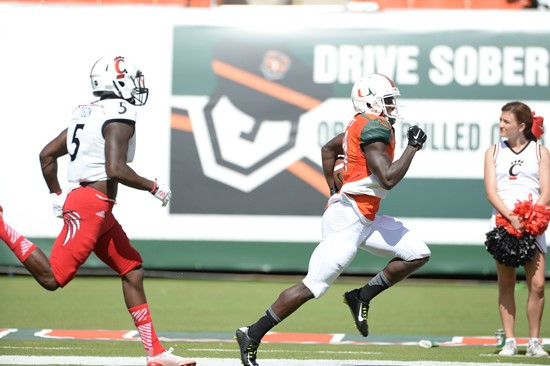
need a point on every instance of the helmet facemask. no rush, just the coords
(390, 108)
(132, 88)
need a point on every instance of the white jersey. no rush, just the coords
(517, 178)
(86, 142)
(517, 173)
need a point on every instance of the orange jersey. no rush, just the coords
(359, 182)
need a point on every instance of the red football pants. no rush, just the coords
(89, 226)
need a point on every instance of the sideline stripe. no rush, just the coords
(131, 361)
(270, 337)
(4, 332)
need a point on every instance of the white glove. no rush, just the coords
(162, 192)
(58, 199)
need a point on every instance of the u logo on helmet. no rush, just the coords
(362, 96)
(120, 73)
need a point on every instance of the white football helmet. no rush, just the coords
(119, 76)
(376, 94)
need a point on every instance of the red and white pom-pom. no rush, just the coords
(534, 218)
(537, 219)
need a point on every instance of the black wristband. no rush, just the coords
(415, 143)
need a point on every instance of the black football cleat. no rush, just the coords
(359, 311)
(248, 347)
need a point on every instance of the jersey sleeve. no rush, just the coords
(376, 129)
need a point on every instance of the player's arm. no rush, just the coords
(329, 153)
(490, 180)
(117, 138)
(48, 160)
(544, 177)
(380, 163)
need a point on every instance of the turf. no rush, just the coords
(414, 307)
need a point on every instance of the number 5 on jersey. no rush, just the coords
(76, 141)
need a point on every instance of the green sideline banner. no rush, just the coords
(250, 112)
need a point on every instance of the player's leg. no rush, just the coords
(249, 338)
(341, 236)
(288, 302)
(32, 257)
(114, 249)
(342, 233)
(82, 222)
(133, 288)
(39, 266)
(388, 237)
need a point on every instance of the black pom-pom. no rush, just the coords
(508, 249)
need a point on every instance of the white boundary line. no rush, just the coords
(131, 361)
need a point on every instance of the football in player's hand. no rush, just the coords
(339, 173)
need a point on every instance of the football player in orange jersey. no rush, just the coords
(350, 221)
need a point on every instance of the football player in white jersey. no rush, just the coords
(100, 142)
(515, 168)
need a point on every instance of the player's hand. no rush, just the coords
(162, 192)
(58, 199)
(416, 137)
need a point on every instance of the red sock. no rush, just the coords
(144, 325)
(17, 243)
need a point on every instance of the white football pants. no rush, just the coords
(343, 233)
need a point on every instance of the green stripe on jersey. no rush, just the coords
(377, 129)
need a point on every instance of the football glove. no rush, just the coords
(162, 192)
(58, 199)
(416, 137)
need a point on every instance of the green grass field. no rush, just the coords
(417, 308)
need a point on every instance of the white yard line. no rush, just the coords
(131, 361)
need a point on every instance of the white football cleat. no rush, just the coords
(166, 358)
